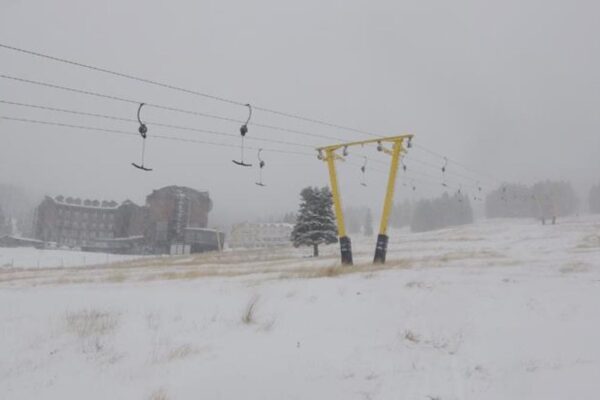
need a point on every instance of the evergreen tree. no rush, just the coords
(368, 227)
(315, 224)
(542, 200)
(441, 212)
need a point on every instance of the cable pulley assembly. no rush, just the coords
(143, 130)
(243, 131)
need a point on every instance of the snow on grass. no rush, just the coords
(24, 257)
(502, 309)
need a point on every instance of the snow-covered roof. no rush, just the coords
(90, 204)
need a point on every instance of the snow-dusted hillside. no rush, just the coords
(503, 309)
(49, 258)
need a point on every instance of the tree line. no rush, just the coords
(543, 200)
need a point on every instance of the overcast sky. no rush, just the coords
(510, 89)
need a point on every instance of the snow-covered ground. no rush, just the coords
(23, 257)
(502, 309)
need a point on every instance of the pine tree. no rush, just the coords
(368, 227)
(315, 224)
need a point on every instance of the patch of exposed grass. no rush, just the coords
(180, 352)
(248, 317)
(91, 328)
(88, 323)
(469, 255)
(574, 267)
(411, 336)
(589, 242)
(159, 394)
(117, 277)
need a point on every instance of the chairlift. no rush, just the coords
(444, 172)
(143, 130)
(363, 170)
(243, 131)
(261, 165)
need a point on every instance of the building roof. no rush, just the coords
(184, 189)
(87, 203)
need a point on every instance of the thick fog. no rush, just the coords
(509, 89)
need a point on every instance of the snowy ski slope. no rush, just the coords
(502, 309)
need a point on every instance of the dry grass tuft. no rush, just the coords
(574, 267)
(331, 271)
(89, 323)
(470, 255)
(180, 352)
(248, 317)
(590, 242)
(159, 394)
(117, 277)
(91, 328)
(411, 336)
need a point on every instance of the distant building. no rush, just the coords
(172, 215)
(174, 209)
(73, 222)
(260, 235)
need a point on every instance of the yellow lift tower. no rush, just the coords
(329, 155)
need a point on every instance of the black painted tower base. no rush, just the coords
(381, 249)
(346, 250)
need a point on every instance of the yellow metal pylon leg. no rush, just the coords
(345, 244)
(382, 238)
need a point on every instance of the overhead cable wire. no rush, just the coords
(161, 137)
(180, 89)
(164, 137)
(161, 107)
(201, 94)
(121, 119)
(436, 154)
(212, 97)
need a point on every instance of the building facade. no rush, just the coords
(171, 211)
(78, 223)
(260, 235)
(171, 215)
